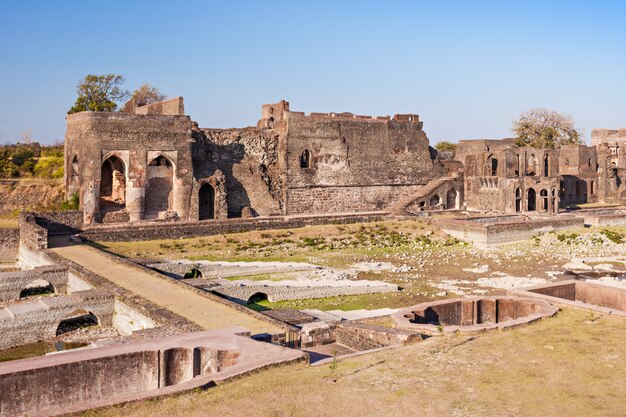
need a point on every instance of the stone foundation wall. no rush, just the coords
(60, 222)
(175, 230)
(9, 244)
(32, 236)
(360, 336)
(329, 199)
(12, 283)
(30, 322)
(288, 291)
(356, 336)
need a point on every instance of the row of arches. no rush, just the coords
(532, 166)
(453, 200)
(545, 202)
(159, 188)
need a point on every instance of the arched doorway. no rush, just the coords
(112, 184)
(159, 187)
(435, 200)
(451, 199)
(491, 166)
(518, 200)
(531, 203)
(206, 202)
(544, 200)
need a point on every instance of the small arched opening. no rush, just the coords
(159, 194)
(544, 200)
(491, 166)
(206, 202)
(36, 288)
(545, 166)
(591, 188)
(518, 200)
(193, 273)
(531, 163)
(305, 159)
(531, 203)
(452, 199)
(270, 122)
(112, 184)
(435, 200)
(257, 298)
(77, 319)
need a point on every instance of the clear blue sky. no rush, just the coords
(467, 68)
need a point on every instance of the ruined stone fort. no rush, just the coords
(155, 162)
(148, 325)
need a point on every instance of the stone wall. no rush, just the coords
(9, 244)
(361, 336)
(126, 144)
(346, 199)
(176, 230)
(60, 222)
(32, 236)
(37, 320)
(80, 379)
(241, 291)
(330, 159)
(12, 283)
(249, 161)
(356, 336)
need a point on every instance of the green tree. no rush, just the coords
(446, 147)
(99, 93)
(542, 128)
(147, 94)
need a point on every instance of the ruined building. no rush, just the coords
(154, 162)
(502, 177)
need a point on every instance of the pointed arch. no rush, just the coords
(113, 176)
(159, 190)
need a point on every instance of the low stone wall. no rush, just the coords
(484, 232)
(581, 294)
(356, 336)
(472, 314)
(32, 236)
(12, 283)
(9, 244)
(34, 321)
(177, 230)
(242, 291)
(72, 381)
(316, 334)
(360, 336)
(60, 222)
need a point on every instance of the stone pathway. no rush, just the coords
(205, 312)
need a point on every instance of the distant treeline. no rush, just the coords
(31, 160)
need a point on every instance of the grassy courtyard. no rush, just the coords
(427, 264)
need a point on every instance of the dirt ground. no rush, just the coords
(427, 264)
(569, 365)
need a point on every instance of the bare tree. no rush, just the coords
(543, 128)
(147, 94)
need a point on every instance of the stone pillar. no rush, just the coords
(134, 202)
(91, 201)
(181, 199)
